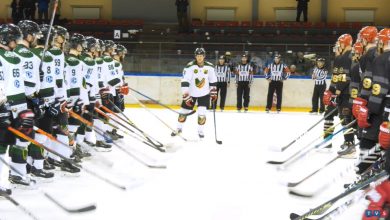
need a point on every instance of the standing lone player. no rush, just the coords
(198, 85)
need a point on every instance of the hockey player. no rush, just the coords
(111, 81)
(354, 85)
(367, 36)
(223, 73)
(91, 75)
(13, 106)
(380, 196)
(77, 89)
(319, 77)
(122, 89)
(370, 114)
(198, 85)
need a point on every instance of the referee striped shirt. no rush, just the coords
(319, 76)
(244, 73)
(223, 73)
(277, 72)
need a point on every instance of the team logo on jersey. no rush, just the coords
(74, 80)
(113, 73)
(195, 71)
(200, 83)
(17, 83)
(29, 74)
(57, 71)
(205, 71)
(49, 79)
(335, 70)
(341, 70)
(87, 76)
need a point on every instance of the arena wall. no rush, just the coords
(297, 92)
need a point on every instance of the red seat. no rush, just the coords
(258, 24)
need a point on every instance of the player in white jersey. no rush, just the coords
(13, 108)
(77, 89)
(110, 81)
(90, 69)
(60, 122)
(122, 89)
(198, 85)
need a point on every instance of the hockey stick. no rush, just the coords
(78, 210)
(139, 137)
(308, 150)
(17, 204)
(215, 127)
(25, 137)
(158, 118)
(159, 103)
(129, 122)
(97, 130)
(308, 145)
(304, 133)
(325, 206)
(294, 184)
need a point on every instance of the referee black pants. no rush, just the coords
(243, 92)
(278, 87)
(318, 94)
(221, 89)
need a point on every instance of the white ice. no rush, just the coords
(203, 181)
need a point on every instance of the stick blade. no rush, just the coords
(84, 209)
(219, 142)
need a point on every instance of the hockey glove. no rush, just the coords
(384, 135)
(363, 117)
(37, 105)
(329, 98)
(188, 100)
(124, 89)
(78, 106)
(25, 122)
(379, 198)
(213, 94)
(357, 103)
(54, 109)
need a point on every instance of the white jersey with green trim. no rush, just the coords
(110, 74)
(13, 81)
(30, 69)
(77, 88)
(198, 80)
(59, 66)
(91, 74)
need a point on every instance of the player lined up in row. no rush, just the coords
(275, 73)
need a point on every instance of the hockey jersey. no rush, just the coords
(13, 83)
(48, 82)
(109, 74)
(77, 88)
(198, 80)
(30, 69)
(59, 66)
(90, 72)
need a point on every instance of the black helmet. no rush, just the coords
(61, 31)
(200, 51)
(9, 32)
(121, 49)
(320, 59)
(91, 42)
(76, 39)
(277, 56)
(30, 27)
(222, 57)
(109, 44)
(45, 32)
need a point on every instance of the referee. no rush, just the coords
(276, 73)
(222, 70)
(319, 77)
(244, 79)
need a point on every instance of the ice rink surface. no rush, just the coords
(203, 180)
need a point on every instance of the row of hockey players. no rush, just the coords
(38, 89)
(360, 90)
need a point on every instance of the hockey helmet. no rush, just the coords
(91, 43)
(200, 51)
(45, 34)
(30, 27)
(345, 39)
(61, 31)
(358, 48)
(75, 40)
(109, 44)
(9, 33)
(368, 33)
(384, 36)
(121, 50)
